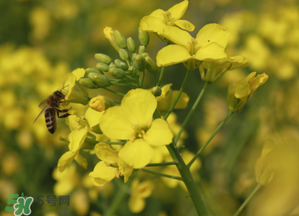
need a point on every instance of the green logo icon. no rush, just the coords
(20, 204)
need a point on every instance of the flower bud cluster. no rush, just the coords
(126, 70)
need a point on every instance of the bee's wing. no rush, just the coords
(41, 113)
(42, 103)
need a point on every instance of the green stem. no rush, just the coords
(188, 180)
(119, 197)
(210, 138)
(190, 113)
(178, 96)
(247, 200)
(117, 93)
(161, 174)
(142, 79)
(161, 76)
(162, 164)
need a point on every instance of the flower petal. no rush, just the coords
(77, 138)
(172, 54)
(183, 100)
(178, 10)
(184, 24)
(115, 125)
(159, 133)
(93, 117)
(152, 24)
(65, 160)
(177, 36)
(213, 33)
(159, 13)
(103, 173)
(136, 154)
(125, 169)
(81, 161)
(210, 51)
(138, 106)
(106, 153)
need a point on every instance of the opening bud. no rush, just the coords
(100, 103)
(143, 37)
(131, 44)
(102, 58)
(119, 39)
(99, 79)
(141, 49)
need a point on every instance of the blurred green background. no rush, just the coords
(42, 41)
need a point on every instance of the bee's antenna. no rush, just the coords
(64, 87)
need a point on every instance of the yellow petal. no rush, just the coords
(184, 24)
(212, 33)
(242, 89)
(77, 138)
(125, 169)
(136, 154)
(152, 24)
(93, 117)
(172, 54)
(115, 125)
(159, 133)
(183, 100)
(65, 160)
(136, 204)
(159, 13)
(81, 161)
(106, 153)
(178, 10)
(210, 51)
(177, 36)
(104, 172)
(138, 106)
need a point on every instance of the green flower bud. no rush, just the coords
(117, 73)
(87, 82)
(151, 65)
(102, 58)
(93, 70)
(131, 44)
(99, 79)
(112, 65)
(119, 39)
(141, 49)
(143, 37)
(145, 54)
(102, 66)
(156, 91)
(121, 64)
(123, 54)
(140, 62)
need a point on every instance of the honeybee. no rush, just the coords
(52, 107)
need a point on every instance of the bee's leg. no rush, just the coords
(63, 113)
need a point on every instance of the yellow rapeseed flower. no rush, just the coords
(239, 92)
(104, 173)
(209, 44)
(133, 121)
(159, 19)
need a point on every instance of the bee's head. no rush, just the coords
(59, 94)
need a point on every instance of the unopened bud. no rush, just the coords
(100, 103)
(151, 65)
(141, 49)
(123, 54)
(119, 39)
(121, 64)
(117, 73)
(87, 82)
(140, 62)
(102, 66)
(156, 91)
(99, 79)
(145, 54)
(102, 58)
(93, 70)
(143, 37)
(131, 44)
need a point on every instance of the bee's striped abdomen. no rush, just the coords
(50, 119)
